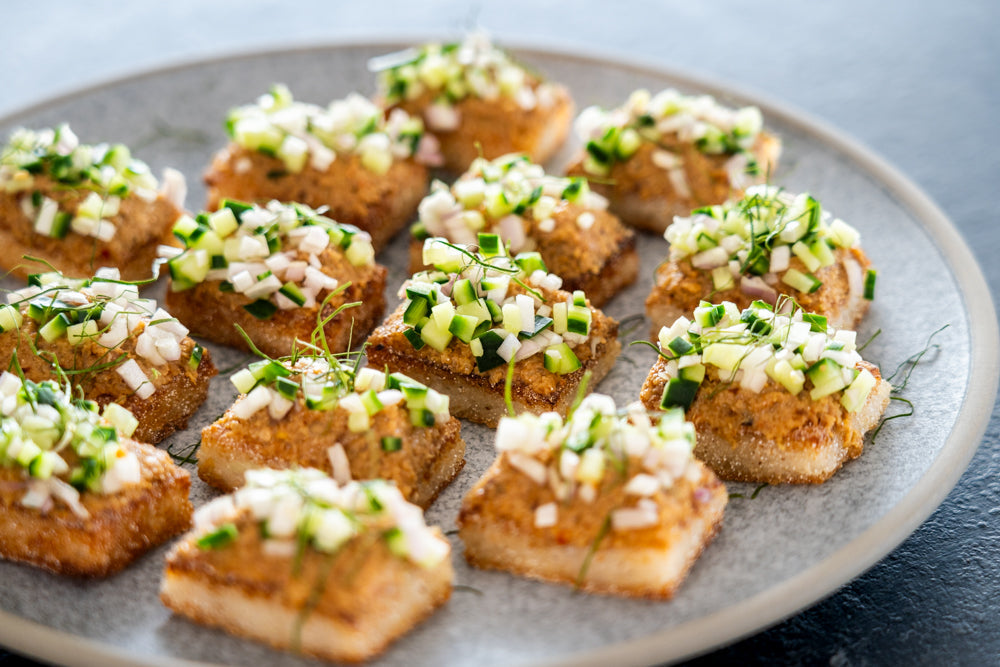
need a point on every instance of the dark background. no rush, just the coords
(918, 82)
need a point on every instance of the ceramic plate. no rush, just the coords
(776, 553)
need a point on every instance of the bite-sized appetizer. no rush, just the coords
(477, 100)
(774, 397)
(115, 347)
(312, 410)
(486, 328)
(560, 218)
(80, 207)
(768, 244)
(608, 500)
(367, 170)
(299, 562)
(277, 271)
(77, 495)
(660, 156)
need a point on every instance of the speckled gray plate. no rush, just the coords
(783, 550)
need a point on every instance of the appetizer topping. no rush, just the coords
(596, 442)
(324, 382)
(107, 170)
(753, 239)
(616, 135)
(485, 300)
(793, 348)
(451, 72)
(298, 508)
(62, 445)
(500, 196)
(301, 134)
(106, 311)
(269, 254)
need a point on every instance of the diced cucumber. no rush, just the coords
(826, 377)
(286, 387)
(413, 336)
(197, 352)
(489, 245)
(121, 419)
(463, 292)
(560, 316)
(708, 315)
(530, 262)
(262, 309)
(628, 143)
(870, 276)
(842, 234)
(55, 328)
(435, 335)
(244, 381)
(76, 334)
(802, 251)
(414, 394)
(705, 242)
(857, 392)
(223, 222)
(372, 404)
(218, 538)
(512, 318)
(442, 314)
(476, 347)
(188, 269)
(560, 359)
(726, 356)
(578, 319)
(821, 251)
(293, 293)
(463, 327)
(803, 282)
(478, 308)
(416, 311)
(694, 373)
(541, 324)
(679, 346)
(422, 417)
(391, 444)
(787, 376)
(184, 227)
(679, 393)
(491, 342)
(722, 278)
(360, 253)
(496, 312)
(10, 318)
(424, 291)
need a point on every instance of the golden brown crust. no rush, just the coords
(492, 128)
(773, 436)
(496, 523)
(121, 526)
(364, 597)
(479, 396)
(379, 204)
(180, 390)
(429, 459)
(213, 314)
(679, 287)
(601, 260)
(642, 195)
(140, 227)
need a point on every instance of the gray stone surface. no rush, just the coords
(914, 81)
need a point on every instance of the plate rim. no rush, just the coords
(769, 607)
